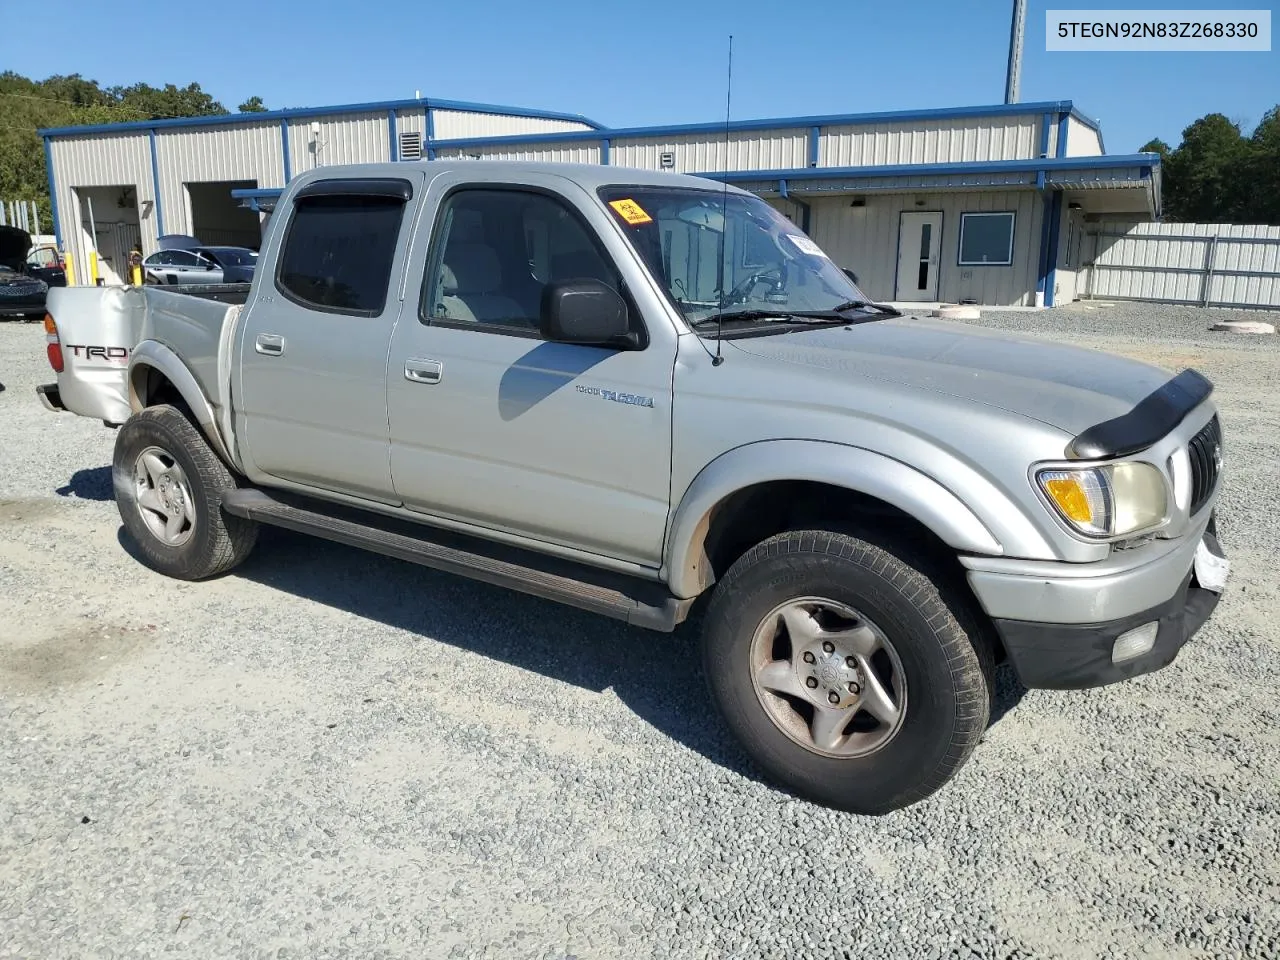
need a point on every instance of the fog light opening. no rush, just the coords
(1135, 642)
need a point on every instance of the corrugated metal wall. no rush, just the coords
(1082, 140)
(352, 138)
(571, 151)
(412, 121)
(705, 152)
(249, 152)
(457, 125)
(1211, 264)
(198, 154)
(102, 160)
(865, 239)
(934, 141)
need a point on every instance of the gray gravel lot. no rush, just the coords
(333, 754)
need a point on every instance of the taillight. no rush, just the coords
(53, 346)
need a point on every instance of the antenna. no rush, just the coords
(724, 215)
(1017, 31)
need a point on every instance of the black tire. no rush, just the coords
(945, 655)
(217, 542)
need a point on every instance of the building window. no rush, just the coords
(338, 253)
(986, 239)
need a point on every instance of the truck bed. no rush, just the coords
(98, 328)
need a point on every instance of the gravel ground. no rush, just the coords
(332, 754)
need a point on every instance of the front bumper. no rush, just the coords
(22, 306)
(1074, 655)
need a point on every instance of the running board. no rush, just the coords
(639, 602)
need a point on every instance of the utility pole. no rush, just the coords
(1017, 32)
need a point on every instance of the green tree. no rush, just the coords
(252, 105)
(1261, 170)
(169, 101)
(1203, 174)
(1157, 146)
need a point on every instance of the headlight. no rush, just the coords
(1113, 500)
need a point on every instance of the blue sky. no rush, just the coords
(658, 62)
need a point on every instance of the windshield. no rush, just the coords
(733, 253)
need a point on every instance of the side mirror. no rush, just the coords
(850, 274)
(587, 312)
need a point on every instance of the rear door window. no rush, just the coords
(338, 253)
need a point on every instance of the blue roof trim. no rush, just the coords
(345, 108)
(1143, 160)
(53, 194)
(774, 123)
(155, 183)
(915, 169)
(284, 150)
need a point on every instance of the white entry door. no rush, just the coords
(919, 239)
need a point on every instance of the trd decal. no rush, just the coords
(98, 353)
(630, 398)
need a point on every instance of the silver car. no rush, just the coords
(181, 267)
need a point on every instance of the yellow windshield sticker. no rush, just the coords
(630, 211)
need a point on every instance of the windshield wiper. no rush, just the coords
(866, 305)
(771, 316)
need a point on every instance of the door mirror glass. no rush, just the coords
(585, 311)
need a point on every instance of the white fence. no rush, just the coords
(1206, 264)
(20, 213)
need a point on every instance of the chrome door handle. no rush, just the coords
(423, 371)
(269, 344)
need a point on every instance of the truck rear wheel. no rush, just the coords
(845, 671)
(168, 486)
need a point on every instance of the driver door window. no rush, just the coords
(495, 253)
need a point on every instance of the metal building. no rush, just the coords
(985, 204)
(119, 185)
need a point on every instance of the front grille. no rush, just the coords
(1205, 451)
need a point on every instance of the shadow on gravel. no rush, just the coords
(1008, 693)
(91, 484)
(658, 676)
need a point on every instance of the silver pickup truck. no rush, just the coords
(626, 391)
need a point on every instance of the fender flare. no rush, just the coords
(153, 355)
(853, 468)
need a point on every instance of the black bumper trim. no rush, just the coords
(1060, 656)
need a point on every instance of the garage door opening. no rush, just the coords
(108, 224)
(217, 219)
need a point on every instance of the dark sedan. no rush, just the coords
(20, 293)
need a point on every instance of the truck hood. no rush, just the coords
(15, 244)
(1070, 388)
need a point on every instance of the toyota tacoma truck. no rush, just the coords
(627, 391)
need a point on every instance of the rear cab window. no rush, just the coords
(339, 246)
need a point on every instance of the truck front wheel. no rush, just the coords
(168, 485)
(845, 671)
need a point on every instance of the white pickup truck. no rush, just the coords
(626, 391)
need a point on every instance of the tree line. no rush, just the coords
(67, 101)
(1218, 174)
